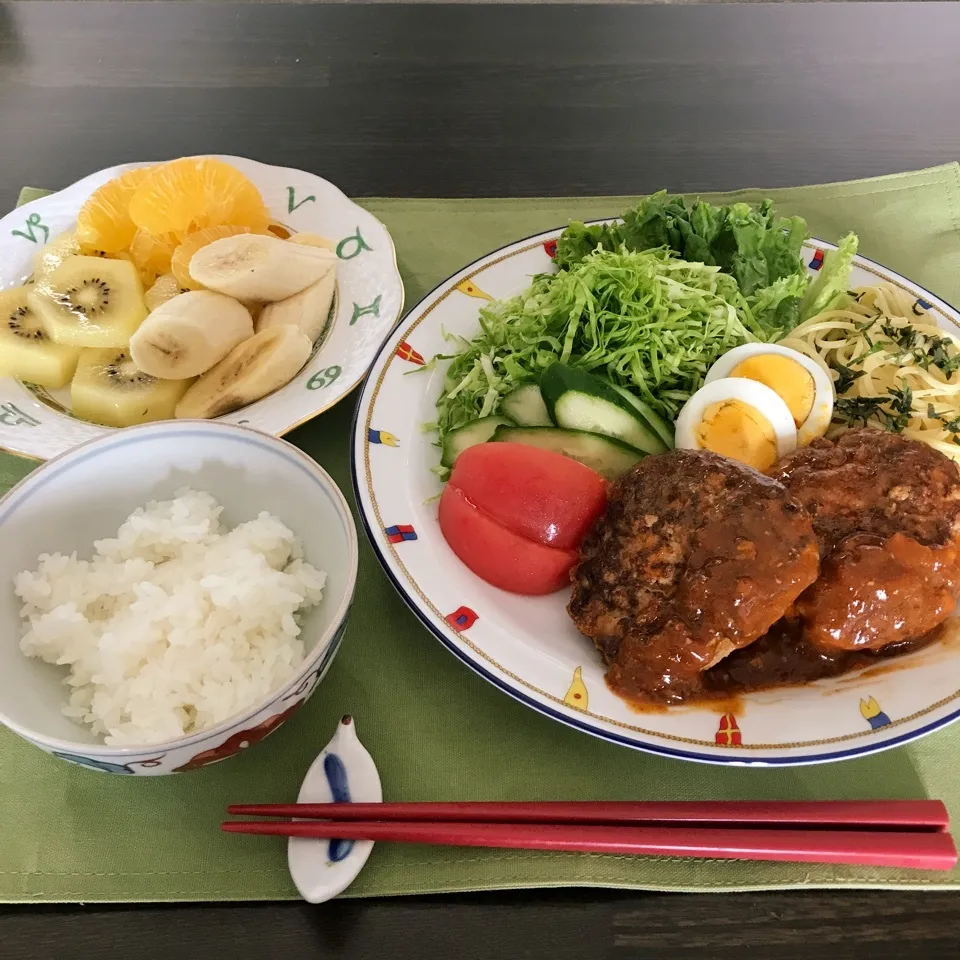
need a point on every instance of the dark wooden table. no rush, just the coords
(484, 101)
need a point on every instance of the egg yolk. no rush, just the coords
(785, 377)
(736, 430)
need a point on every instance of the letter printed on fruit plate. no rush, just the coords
(372, 309)
(359, 245)
(13, 416)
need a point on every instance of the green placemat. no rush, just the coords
(437, 731)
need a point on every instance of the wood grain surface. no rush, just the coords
(483, 101)
(559, 925)
(488, 101)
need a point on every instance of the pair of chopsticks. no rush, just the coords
(883, 833)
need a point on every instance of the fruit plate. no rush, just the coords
(528, 646)
(37, 423)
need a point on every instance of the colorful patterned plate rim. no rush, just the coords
(527, 646)
(35, 423)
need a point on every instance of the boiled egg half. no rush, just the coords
(802, 384)
(738, 418)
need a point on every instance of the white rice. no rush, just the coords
(174, 625)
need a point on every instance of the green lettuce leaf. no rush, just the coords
(578, 241)
(751, 243)
(776, 308)
(829, 289)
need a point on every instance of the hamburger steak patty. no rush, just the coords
(696, 556)
(871, 481)
(886, 512)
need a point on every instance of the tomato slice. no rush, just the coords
(542, 495)
(498, 555)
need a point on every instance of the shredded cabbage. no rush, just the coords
(647, 320)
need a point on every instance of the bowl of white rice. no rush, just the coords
(169, 595)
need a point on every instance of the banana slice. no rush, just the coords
(258, 366)
(313, 240)
(187, 335)
(255, 307)
(309, 310)
(259, 267)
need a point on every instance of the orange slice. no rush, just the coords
(180, 264)
(104, 220)
(152, 255)
(193, 193)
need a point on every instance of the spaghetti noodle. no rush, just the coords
(892, 367)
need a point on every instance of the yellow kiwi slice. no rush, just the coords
(26, 352)
(90, 302)
(109, 389)
(53, 254)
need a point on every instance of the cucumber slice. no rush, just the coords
(661, 427)
(577, 400)
(469, 435)
(609, 457)
(524, 406)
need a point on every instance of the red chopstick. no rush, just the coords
(914, 850)
(861, 814)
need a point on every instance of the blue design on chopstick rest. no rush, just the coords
(817, 262)
(381, 436)
(336, 774)
(922, 305)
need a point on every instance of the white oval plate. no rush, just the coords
(527, 646)
(368, 305)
